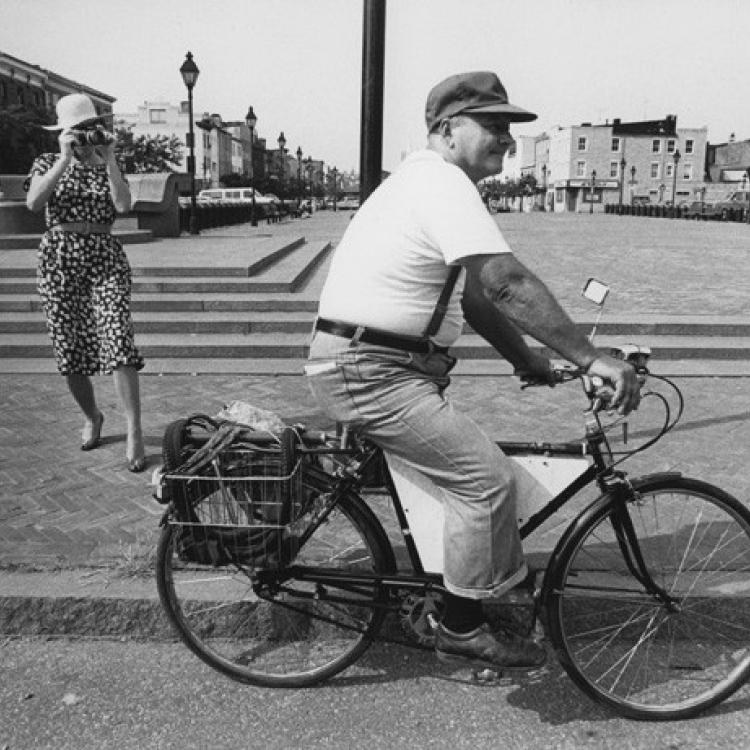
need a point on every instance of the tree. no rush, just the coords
(146, 153)
(22, 137)
(234, 180)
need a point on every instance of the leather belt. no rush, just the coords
(82, 227)
(378, 338)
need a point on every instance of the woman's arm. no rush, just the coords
(42, 186)
(117, 183)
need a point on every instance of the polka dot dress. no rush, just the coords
(84, 279)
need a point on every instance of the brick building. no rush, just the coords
(32, 92)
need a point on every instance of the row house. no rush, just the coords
(26, 86)
(221, 148)
(583, 168)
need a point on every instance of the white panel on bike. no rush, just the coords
(538, 480)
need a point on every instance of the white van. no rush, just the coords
(232, 195)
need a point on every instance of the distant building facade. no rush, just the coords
(28, 87)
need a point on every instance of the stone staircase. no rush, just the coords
(246, 305)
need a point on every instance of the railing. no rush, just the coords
(223, 214)
(680, 212)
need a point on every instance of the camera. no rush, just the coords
(97, 136)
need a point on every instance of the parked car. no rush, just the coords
(234, 195)
(723, 208)
(348, 204)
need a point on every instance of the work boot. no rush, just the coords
(481, 648)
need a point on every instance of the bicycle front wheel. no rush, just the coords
(623, 645)
(292, 631)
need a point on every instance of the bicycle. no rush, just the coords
(274, 569)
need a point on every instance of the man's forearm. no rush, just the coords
(491, 324)
(527, 302)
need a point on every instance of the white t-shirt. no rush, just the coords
(392, 262)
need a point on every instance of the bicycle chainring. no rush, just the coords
(419, 613)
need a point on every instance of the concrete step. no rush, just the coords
(185, 322)
(295, 314)
(31, 241)
(294, 345)
(285, 275)
(272, 366)
(227, 256)
(187, 303)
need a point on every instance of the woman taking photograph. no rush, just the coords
(83, 275)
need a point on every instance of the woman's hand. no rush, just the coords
(107, 153)
(67, 141)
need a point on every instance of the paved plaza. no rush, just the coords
(62, 508)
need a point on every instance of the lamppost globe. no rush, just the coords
(251, 120)
(189, 72)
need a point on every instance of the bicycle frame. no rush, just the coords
(601, 470)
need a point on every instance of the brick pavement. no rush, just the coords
(60, 506)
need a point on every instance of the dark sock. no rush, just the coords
(462, 615)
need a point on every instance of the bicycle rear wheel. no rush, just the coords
(289, 632)
(622, 645)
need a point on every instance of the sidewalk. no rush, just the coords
(84, 514)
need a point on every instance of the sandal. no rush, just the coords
(96, 435)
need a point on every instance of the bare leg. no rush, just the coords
(126, 382)
(82, 390)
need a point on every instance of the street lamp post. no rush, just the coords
(189, 72)
(299, 178)
(335, 188)
(632, 185)
(251, 121)
(308, 169)
(623, 164)
(593, 187)
(282, 142)
(676, 158)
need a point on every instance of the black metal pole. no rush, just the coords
(193, 206)
(371, 116)
(253, 219)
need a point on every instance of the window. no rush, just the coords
(669, 170)
(656, 146)
(689, 145)
(580, 169)
(615, 144)
(582, 142)
(655, 170)
(687, 171)
(670, 146)
(157, 115)
(614, 169)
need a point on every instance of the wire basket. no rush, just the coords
(233, 500)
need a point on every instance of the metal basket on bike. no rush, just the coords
(232, 491)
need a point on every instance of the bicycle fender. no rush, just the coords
(658, 476)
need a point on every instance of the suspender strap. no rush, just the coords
(442, 304)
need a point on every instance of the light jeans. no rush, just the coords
(397, 400)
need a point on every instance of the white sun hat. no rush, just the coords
(72, 110)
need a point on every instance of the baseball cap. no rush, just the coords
(476, 91)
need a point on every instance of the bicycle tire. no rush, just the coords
(618, 643)
(284, 638)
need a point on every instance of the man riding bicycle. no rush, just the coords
(420, 257)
